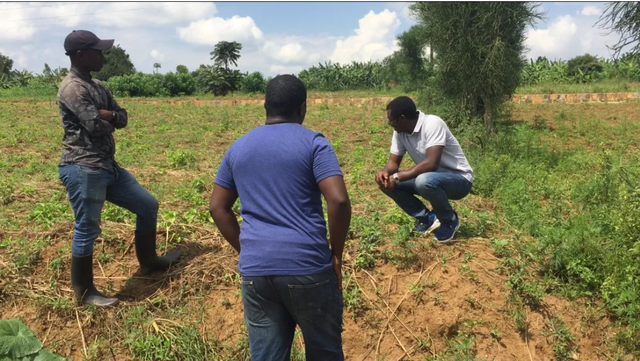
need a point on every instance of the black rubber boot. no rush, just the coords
(82, 283)
(146, 252)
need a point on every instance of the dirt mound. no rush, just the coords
(452, 297)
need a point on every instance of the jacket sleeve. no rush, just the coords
(77, 99)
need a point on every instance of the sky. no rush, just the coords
(276, 37)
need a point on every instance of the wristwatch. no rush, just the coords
(396, 180)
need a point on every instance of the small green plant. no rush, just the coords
(418, 292)
(468, 272)
(181, 158)
(495, 334)
(6, 193)
(113, 213)
(25, 253)
(473, 302)
(152, 339)
(225, 302)
(297, 349)
(199, 184)
(468, 256)
(519, 315)
(539, 122)
(424, 345)
(17, 342)
(443, 263)
(562, 339)
(437, 299)
(50, 212)
(352, 297)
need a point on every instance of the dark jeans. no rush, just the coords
(435, 187)
(89, 187)
(273, 305)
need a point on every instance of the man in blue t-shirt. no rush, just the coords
(290, 276)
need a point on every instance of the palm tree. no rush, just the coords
(157, 66)
(225, 53)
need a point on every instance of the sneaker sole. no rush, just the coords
(450, 239)
(433, 227)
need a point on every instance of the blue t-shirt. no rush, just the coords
(276, 169)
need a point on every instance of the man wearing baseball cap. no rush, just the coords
(90, 172)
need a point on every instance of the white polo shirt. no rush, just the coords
(431, 130)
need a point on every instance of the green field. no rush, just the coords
(602, 86)
(42, 93)
(545, 267)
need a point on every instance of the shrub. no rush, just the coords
(253, 83)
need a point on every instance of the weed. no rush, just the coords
(473, 302)
(151, 339)
(297, 349)
(352, 297)
(181, 158)
(468, 256)
(6, 193)
(562, 339)
(50, 212)
(225, 302)
(539, 122)
(468, 272)
(418, 292)
(117, 214)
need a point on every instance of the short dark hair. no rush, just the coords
(284, 95)
(403, 105)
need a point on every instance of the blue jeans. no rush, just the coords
(89, 187)
(435, 187)
(273, 305)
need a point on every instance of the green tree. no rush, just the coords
(624, 19)
(408, 66)
(6, 64)
(117, 62)
(53, 76)
(412, 44)
(217, 80)
(480, 50)
(181, 69)
(156, 66)
(584, 68)
(253, 83)
(225, 53)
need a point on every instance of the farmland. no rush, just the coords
(545, 266)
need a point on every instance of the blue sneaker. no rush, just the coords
(426, 228)
(448, 230)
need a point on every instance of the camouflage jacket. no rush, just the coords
(88, 139)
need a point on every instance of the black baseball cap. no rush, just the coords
(79, 40)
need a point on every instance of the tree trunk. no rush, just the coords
(488, 119)
(431, 54)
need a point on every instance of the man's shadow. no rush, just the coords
(140, 288)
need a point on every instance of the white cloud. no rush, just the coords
(284, 69)
(554, 39)
(403, 10)
(12, 26)
(287, 53)
(590, 10)
(184, 33)
(20, 21)
(374, 39)
(567, 37)
(213, 30)
(157, 55)
(19, 58)
(126, 14)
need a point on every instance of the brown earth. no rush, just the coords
(455, 299)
